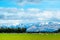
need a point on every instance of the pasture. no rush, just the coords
(29, 36)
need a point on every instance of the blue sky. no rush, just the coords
(30, 10)
(42, 4)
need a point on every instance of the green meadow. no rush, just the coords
(29, 36)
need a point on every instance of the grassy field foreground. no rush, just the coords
(29, 36)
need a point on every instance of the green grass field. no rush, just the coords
(29, 36)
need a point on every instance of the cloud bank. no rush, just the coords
(29, 15)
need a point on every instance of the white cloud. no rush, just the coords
(40, 19)
(57, 15)
(23, 2)
(10, 22)
(33, 9)
(30, 13)
(47, 14)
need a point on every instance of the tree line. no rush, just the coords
(12, 30)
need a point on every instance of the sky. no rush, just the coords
(29, 10)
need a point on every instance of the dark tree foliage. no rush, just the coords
(57, 31)
(12, 30)
(23, 30)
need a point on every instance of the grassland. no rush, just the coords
(29, 36)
